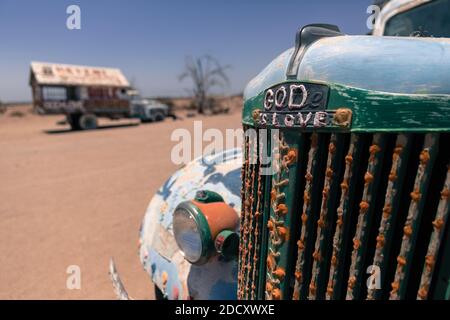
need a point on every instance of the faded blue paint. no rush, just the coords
(159, 254)
(387, 64)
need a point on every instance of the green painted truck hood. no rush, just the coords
(390, 84)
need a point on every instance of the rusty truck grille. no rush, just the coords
(346, 216)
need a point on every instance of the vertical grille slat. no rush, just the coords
(439, 224)
(313, 179)
(344, 211)
(324, 223)
(246, 218)
(386, 229)
(366, 210)
(410, 229)
(283, 206)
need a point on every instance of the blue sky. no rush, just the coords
(149, 40)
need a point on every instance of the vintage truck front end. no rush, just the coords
(346, 174)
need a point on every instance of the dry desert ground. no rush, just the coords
(78, 198)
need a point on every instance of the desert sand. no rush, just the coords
(78, 198)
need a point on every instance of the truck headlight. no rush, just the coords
(199, 228)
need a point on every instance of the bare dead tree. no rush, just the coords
(205, 73)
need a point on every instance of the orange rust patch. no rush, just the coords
(300, 244)
(330, 290)
(429, 262)
(374, 149)
(282, 209)
(279, 273)
(283, 233)
(276, 294)
(380, 241)
(329, 172)
(356, 244)
(348, 159)
(424, 157)
(401, 260)
(415, 195)
(273, 195)
(321, 223)
(395, 286)
(312, 288)
(438, 223)
(368, 177)
(316, 256)
(363, 206)
(445, 194)
(407, 230)
(392, 176)
(334, 260)
(304, 217)
(387, 210)
(423, 292)
(331, 148)
(351, 282)
(306, 197)
(298, 276)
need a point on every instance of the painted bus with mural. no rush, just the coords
(84, 93)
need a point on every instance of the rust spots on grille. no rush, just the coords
(329, 172)
(424, 157)
(438, 223)
(364, 206)
(445, 194)
(387, 210)
(301, 244)
(283, 233)
(279, 273)
(380, 241)
(281, 209)
(429, 262)
(344, 186)
(351, 282)
(356, 244)
(290, 158)
(407, 230)
(334, 260)
(423, 293)
(415, 195)
(401, 261)
(348, 159)
(276, 294)
(316, 256)
(395, 286)
(312, 288)
(343, 117)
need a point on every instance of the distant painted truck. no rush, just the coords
(85, 93)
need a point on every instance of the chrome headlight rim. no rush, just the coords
(207, 244)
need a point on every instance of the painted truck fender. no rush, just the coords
(159, 253)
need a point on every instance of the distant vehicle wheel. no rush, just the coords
(159, 116)
(88, 121)
(74, 121)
